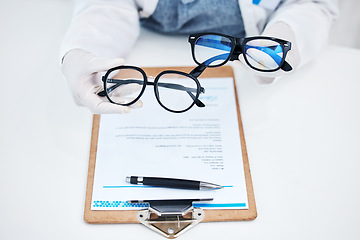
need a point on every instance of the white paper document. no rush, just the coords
(201, 144)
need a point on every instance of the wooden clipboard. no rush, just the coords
(129, 216)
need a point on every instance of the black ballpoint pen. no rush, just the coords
(172, 183)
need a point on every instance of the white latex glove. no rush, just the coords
(83, 72)
(283, 31)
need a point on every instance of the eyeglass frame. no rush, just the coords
(238, 47)
(193, 75)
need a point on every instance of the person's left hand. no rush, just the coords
(283, 31)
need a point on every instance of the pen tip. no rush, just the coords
(127, 179)
(209, 186)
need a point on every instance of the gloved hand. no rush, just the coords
(83, 72)
(283, 31)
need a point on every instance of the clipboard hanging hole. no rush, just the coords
(171, 231)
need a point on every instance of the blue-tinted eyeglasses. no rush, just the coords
(266, 54)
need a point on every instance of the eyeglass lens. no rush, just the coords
(212, 50)
(175, 92)
(123, 86)
(264, 54)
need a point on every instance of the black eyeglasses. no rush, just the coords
(266, 54)
(174, 90)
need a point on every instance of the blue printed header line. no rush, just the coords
(216, 88)
(135, 186)
(216, 205)
(256, 2)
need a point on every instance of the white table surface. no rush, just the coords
(302, 136)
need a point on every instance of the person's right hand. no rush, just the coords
(283, 31)
(83, 72)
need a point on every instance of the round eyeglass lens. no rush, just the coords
(264, 54)
(212, 50)
(124, 86)
(176, 92)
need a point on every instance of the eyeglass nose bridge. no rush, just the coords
(236, 53)
(152, 80)
(237, 49)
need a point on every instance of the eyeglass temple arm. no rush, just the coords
(215, 58)
(196, 72)
(120, 82)
(286, 66)
(166, 85)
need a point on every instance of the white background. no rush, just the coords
(302, 136)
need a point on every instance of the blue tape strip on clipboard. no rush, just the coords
(125, 204)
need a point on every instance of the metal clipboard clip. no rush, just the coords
(171, 217)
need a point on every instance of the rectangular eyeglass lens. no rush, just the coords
(212, 50)
(264, 54)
